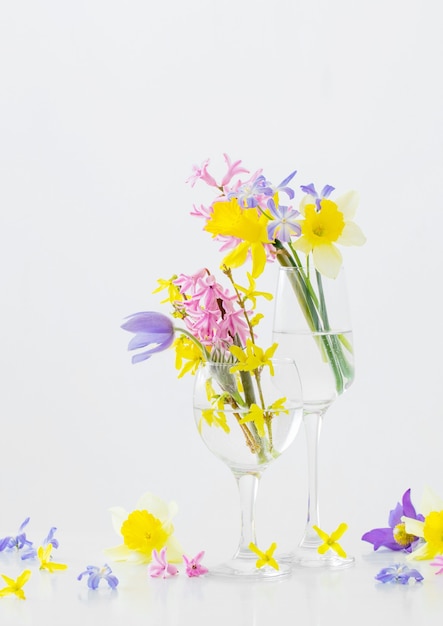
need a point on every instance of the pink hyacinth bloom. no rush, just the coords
(201, 211)
(160, 568)
(233, 169)
(194, 567)
(188, 283)
(201, 173)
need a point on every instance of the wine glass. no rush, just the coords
(247, 419)
(312, 326)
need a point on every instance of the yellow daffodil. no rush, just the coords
(322, 229)
(145, 529)
(250, 293)
(188, 356)
(46, 562)
(330, 542)
(247, 225)
(265, 558)
(431, 530)
(173, 290)
(15, 587)
(253, 357)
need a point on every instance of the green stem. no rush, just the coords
(190, 336)
(315, 311)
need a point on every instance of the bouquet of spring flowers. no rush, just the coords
(252, 219)
(218, 324)
(214, 326)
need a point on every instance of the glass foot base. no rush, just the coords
(309, 557)
(245, 569)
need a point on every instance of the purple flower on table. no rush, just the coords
(151, 330)
(31, 552)
(4, 543)
(193, 566)
(97, 574)
(19, 541)
(398, 573)
(395, 537)
(284, 223)
(160, 568)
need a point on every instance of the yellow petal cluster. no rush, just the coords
(248, 225)
(253, 357)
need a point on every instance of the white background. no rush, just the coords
(104, 108)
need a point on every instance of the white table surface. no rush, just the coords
(311, 597)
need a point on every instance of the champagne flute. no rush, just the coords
(312, 326)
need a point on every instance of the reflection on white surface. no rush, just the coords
(310, 596)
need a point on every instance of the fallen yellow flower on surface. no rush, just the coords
(44, 556)
(265, 558)
(330, 542)
(15, 587)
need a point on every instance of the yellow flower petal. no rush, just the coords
(430, 502)
(258, 259)
(327, 260)
(237, 256)
(422, 553)
(413, 526)
(352, 235)
(348, 203)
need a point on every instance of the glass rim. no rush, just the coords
(296, 268)
(279, 360)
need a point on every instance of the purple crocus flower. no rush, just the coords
(96, 574)
(398, 573)
(395, 537)
(152, 330)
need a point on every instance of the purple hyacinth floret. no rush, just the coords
(96, 574)
(283, 186)
(31, 551)
(395, 537)
(398, 573)
(311, 190)
(19, 541)
(249, 194)
(151, 330)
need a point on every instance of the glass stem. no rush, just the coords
(312, 424)
(247, 488)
